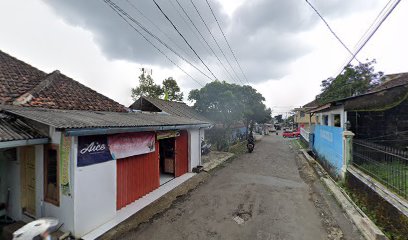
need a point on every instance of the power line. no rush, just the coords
(233, 54)
(123, 12)
(185, 40)
(157, 27)
(212, 50)
(372, 33)
(331, 30)
(112, 5)
(208, 29)
(189, 27)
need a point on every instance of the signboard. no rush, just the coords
(93, 150)
(65, 149)
(167, 134)
(130, 144)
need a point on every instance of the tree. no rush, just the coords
(354, 80)
(279, 118)
(172, 90)
(146, 87)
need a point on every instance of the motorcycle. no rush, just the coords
(251, 143)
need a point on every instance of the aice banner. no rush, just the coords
(93, 150)
(130, 144)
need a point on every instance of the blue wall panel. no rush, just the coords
(328, 145)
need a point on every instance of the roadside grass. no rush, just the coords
(391, 174)
(298, 144)
(238, 148)
(376, 211)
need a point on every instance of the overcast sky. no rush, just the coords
(284, 49)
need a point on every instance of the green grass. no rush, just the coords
(299, 144)
(394, 174)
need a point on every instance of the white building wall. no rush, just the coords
(14, 183)
(194, 143)
(95, 195)
(65, 211)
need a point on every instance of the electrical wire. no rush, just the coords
(112, 6)
(372, 33)
(216, 42)
(199, 32)
(158, 28)
(331, 30)
(185, 40)
(229, 46)
(155, 37)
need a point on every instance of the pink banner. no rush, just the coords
(129, 144)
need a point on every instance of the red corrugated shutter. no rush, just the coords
(136, 177)
(182, 153)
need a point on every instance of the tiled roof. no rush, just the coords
(171, 107)
(24, 85)
(12, 129)
(16, 78)
(66, 119)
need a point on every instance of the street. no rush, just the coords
(268, 194)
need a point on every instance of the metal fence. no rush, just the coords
(386, 164)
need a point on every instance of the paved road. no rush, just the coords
(270, 194)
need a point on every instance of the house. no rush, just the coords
(69, 152)
(302, 118)
(175, 108)
(379, 116)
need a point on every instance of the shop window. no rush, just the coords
(337, 121)
(51, 166)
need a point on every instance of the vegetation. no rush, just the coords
(170, 90)
(354, 80)
(227, 105)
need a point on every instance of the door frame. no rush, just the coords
(27, 153)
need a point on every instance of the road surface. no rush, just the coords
(270, 194)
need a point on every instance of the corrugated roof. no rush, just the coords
(13, 129)
(171, 107)
(67, 119)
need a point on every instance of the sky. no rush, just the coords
(283, 48)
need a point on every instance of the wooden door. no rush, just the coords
(182, 153)
(27, 157)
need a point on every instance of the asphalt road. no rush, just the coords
(270, 194)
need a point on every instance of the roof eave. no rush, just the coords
(104, 131)
(20, 143)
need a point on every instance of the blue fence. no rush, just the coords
(328, 146)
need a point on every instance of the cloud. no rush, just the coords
(265, 34)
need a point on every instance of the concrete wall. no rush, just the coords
(95, 194)
(194, 144)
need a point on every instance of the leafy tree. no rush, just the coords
(146, 87)
(279, 118)
(228, 104)
(172, 90)
(217, 101)
(354, 80)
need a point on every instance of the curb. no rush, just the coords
(369, 230)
